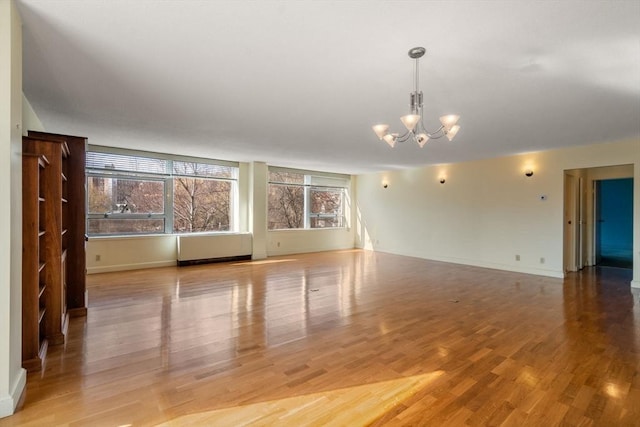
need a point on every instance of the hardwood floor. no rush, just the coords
(345, 338)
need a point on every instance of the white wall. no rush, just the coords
(486, 212)
(285, 242)
(30, 120)
(130, 253)
(258, 175)
(243, 197)
(12, 376)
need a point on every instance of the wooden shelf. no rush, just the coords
(54, 266)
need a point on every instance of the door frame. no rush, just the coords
(583, 183)
(572, 222)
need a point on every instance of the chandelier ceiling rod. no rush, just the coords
(416, 130)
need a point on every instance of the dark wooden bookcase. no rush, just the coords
(53, 198)
(34, 341)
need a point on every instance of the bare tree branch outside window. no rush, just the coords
(200, 204)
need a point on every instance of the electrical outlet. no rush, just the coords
(97, 257)
(517, 257)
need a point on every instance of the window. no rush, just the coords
(141, 193)
(117, 206)
(201, 203)
(299, 199)
(326, 207)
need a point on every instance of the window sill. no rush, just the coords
(159, 235)
(288, 230)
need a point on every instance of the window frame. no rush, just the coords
(340, 216)
(337, 181)
(168, 179)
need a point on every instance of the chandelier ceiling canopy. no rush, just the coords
(413, 121)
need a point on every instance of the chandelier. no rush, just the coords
(416, 130)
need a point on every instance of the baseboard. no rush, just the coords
(482, 264)
(305, 250)
(127, 267)
(635, 283)
(9, 402)
(184, 263)
(77, 312)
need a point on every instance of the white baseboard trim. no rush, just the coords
(127, 267)
(558, 274)
(9, 402)
(306, 250)
(635, 283)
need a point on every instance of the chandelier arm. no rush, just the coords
(421, 128)
(404, 137)
(438, 133)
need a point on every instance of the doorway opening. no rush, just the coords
(598, 217)
(614, 222)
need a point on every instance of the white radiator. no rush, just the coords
(212, 247)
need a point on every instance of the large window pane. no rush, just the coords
(326, 207)
(137, 192)
(125, 226)
(201, 204)
(286, 206)
(125, 196)
(301, 199)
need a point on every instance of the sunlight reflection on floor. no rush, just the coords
(353, 406)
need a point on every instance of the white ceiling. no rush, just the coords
(300, 83)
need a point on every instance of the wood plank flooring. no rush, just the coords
(345, 338)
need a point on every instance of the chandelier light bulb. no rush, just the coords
(381, 130)
(410, 121)
(452, 132)
(390, 139)
(449, 121)
(422, 139)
